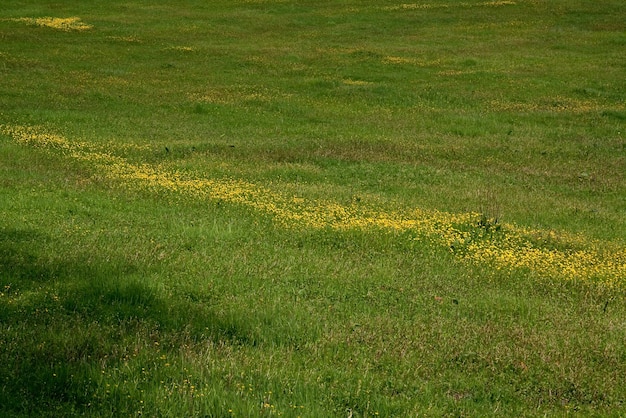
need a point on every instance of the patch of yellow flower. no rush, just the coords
(129, 39)
(66, 24)
(181, 48)
(422, 6)
(34, 136)
(557, 104)
(264, 1)
(236, 94)
(351, 82)
(551, 254)
(393, 60)
(544, 253)
(451, 73)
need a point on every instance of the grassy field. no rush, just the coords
(312, 208)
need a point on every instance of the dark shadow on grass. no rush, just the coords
(17, 262)
(62, 319)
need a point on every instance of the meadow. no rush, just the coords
(305, 208)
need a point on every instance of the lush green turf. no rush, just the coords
(181, 186)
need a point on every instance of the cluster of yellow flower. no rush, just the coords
(237, 94)
(65, 24)
(393, 60)
(601, 262)
(34, 136)
(416, 6)
(556, 104)
(129, 39)
(545, 253)
(181, 48)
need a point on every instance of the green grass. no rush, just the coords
(204, 290)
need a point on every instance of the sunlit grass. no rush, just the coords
(280, 208)
(505, 245)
